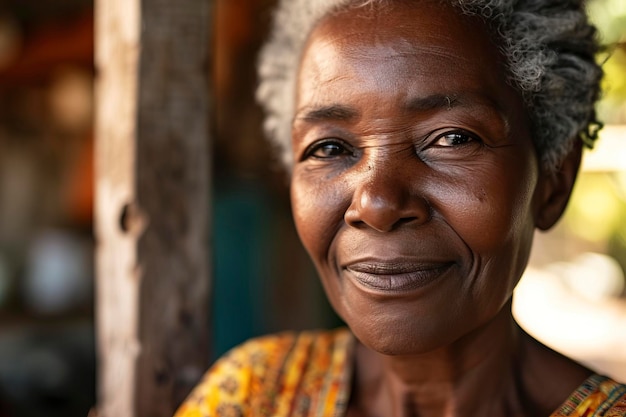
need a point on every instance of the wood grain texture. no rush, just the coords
(152, 202)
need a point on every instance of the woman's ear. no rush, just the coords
(555, 187)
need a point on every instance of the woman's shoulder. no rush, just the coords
(265, 375)
(597, 396)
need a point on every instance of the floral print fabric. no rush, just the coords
(297, 375)
(598, 396)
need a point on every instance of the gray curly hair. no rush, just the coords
(549, 46)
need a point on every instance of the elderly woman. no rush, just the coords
(426, 140)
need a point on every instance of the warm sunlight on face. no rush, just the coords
(415, 176)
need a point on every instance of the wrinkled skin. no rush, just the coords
(379, 180)
(416, 187)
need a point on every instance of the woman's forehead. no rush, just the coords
(426, 48)
(396, 30)
(425, 16)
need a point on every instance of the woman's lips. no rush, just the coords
(396, 276)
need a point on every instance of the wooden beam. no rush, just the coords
(152, 203)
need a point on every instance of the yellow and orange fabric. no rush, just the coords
(309, 374)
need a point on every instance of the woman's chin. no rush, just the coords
(400, 340)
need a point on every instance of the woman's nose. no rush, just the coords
(386, 200)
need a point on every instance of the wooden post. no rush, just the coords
(152, 203)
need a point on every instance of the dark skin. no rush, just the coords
(416, 190)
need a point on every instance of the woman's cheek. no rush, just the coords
(315, 214)
(481, 217)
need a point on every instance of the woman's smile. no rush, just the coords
(395, 277)
(398, 264)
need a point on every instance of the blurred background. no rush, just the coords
(573, 297)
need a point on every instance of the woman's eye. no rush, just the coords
(328, 149)
(453, 139)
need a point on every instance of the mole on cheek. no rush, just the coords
(481, 195)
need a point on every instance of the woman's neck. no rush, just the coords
(496, 371)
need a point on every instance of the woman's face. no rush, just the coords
(415, 180)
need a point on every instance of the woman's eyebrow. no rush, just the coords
(432, 102)
(336, 112)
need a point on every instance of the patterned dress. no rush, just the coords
(308, 375)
